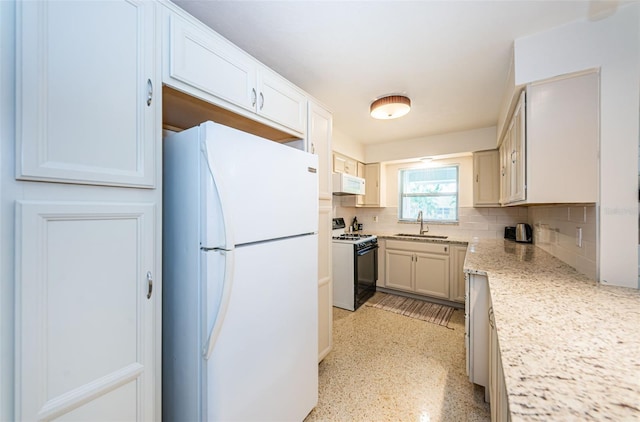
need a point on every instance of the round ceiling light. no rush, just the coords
(390, 107)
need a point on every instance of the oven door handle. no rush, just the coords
(367, 250)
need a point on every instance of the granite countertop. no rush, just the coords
(570, 347)
(418, 238)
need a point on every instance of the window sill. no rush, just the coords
(433, 223)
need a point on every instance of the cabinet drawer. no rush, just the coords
(440, 248)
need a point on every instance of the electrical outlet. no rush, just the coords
(375, 218)
(579, 237)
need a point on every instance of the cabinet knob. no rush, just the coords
(149, 284)
(149, 92)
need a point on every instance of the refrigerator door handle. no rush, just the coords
(227, 283)
(225, 216)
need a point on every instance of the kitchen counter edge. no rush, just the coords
(570, 347)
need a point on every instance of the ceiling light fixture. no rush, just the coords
(390, 107)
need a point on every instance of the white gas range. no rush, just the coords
(355, 266)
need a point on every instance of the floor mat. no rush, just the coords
(413, 308)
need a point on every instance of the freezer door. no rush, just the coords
(264, 363)
(258, 189)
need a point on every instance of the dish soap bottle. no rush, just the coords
(354, 224)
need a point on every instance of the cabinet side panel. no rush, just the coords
(562, 138)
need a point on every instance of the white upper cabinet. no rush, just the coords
(208, 62)
(344, 164)
(204, 64)
(562, 129)
(86, 92)
(549, 154)
(513, 157)
(319, 143)
(280, 101)
(486, 182)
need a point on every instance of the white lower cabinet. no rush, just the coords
(432, 274)
(497, 388)
(456, 273)
(399, 268)
(416, 267)
(477, 330)
(85, 311)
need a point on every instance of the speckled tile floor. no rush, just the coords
(388, 367)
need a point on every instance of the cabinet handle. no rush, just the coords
(513, 160)
(253, 97)
(476, 178)
(446, 249)
(149, 92)
(149, 284)
(313, 148)
(491, 317)
(261, 101)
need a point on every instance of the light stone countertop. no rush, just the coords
(450, 239)
(570, 348)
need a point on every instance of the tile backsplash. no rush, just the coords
(555, 229)
(478, 222)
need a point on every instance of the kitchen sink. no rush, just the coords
(426, 236)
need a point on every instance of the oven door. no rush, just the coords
(365, 274)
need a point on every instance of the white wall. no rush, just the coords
(613, 45)
(449, 143)
(346, 145)
(478, 222)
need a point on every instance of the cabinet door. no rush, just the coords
(339, 163)
(208, 62)
(281, 102)
(505, 171)
(362, 199)
(486, 183)
(432, 275)
(319, 143)
(325, 282)
(372, 184)
(399, 269)
(457, 282)
(477, 324)
(86, 92)
(493, 368)
(85, 311)
(562, 134)
(518, 153)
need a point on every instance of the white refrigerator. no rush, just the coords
(240, 313)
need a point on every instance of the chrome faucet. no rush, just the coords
(422, 231)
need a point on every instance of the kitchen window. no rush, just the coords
(433, 190)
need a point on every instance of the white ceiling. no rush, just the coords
(450, 57)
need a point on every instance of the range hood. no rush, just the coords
(346, 184)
